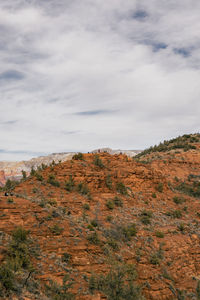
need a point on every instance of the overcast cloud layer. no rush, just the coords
(81, 74)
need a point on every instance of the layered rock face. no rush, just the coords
(13, 170)
(94, 214)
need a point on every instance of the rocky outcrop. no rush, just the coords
(130, 153)
(82, 210)
(2, 178)
(13, 170)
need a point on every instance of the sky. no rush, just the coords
(76, 75)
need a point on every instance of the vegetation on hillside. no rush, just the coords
(185, 142)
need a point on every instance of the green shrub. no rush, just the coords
(51, 180)
(10, 185)
(198, 290)
(178, 200)
(109, 181)
(147, 213)
(66, 257)
(153, 195)
(39, 177)
(42, 203)
(94, 238)
(10, 200)
(78, 156)
(35, 190)
(159, 234)
(20, 235)
(18, 253)
(113, 244)
(156, 257)
(17, 261)
(56, 291)
(121, 232)
(32, 173)
(174, 214)
(159, 187)
(52, 202)
(24, 175)
(69, 185)
(83, 189)
(6, 278)
(192, 189)
(86, 206)
(146, 216)
(129, 231)
(145, 220)
(94, 223)
(109, 218)
(98, 162)
(90, 227)
(56, 229)
(110, 204)
(118, 201)
(116, 284)
(92, 284)
(121, 188)
(181, 227)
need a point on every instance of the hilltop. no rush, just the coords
(13, 169)
(108, 225)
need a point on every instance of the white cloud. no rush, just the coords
(131, 67)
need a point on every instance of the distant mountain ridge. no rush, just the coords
(13, 170)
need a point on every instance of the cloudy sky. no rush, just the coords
(76, 75)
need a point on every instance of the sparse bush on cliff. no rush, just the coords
(66, 257)
(110, 204)
(109, 181)
(86, 206)
(53, 181)
(24, 175)
(159, 187)
(10, 185)
(32, 173)
(94, 238)
(145, 217)
(83, 189)
(181, 227)
(117, 284)
(109, 218)
(174, 214)
(121, 188)
(60, 292)
(78, 156)
(38, 176)
(16, 262)
(98, 162)
(118, 201)
(6, 279)
(179, 200)
(121, 233)
(56, 229)
(192, 188)
(10, 200)
(69, 185)
(156, 257)
(113, 244)
(159, 234)
(198, 290)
